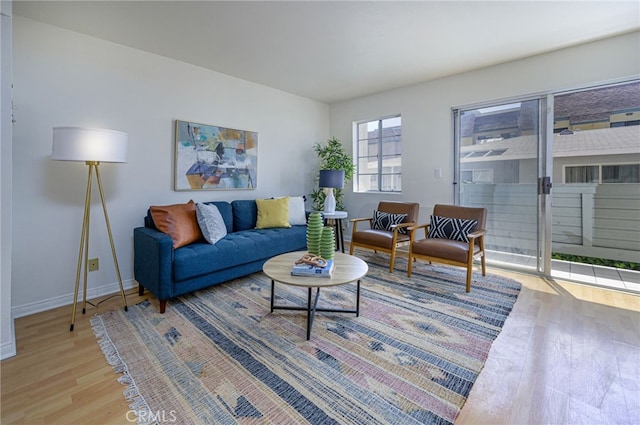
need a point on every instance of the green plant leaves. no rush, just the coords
(332, 157)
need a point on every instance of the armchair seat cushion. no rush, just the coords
(442, 248)
(380, 238)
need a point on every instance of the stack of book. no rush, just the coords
(311, 270)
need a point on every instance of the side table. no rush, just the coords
(336, 218)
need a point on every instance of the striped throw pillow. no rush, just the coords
(456, 229)
(384, 221)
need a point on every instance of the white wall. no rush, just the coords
(7, 338)
(427, 127)
(65, 78)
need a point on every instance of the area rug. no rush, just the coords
(219, 356)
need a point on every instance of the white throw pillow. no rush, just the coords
(297, 213)
(211, 222)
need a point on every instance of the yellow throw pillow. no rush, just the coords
(273, 213)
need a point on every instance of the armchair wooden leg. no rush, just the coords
(484, 267)
(410, 265)
(350, 248)
(469, 272)
(392, 261)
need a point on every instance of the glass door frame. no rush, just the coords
(544, 168)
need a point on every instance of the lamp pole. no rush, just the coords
(84, 244)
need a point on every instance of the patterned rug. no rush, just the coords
(219, 356)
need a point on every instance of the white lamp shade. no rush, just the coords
(89, 144)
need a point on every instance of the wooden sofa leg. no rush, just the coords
(163, 306)
(140, 289)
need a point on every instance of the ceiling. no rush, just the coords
(337, 50)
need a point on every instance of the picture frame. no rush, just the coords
(209, 157)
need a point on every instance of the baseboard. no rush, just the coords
(8, 348)
(67, 299)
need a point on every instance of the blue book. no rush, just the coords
(310, 270)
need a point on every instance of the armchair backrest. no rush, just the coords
(411, 209)
(466, 213)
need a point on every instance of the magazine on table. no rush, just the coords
(311, 270)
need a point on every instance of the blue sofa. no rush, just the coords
(167, 272)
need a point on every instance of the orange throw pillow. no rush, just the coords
(178, 221)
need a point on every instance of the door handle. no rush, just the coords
(544, 185)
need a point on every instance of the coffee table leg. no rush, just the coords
(273, 284)
(311, 313)
(358, 299)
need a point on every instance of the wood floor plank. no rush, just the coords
(568, 354)
(560, 341)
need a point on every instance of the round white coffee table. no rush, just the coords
(348, 268)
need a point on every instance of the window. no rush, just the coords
(625, 173)
(582, 174)
(379, 154)
(615, 173)
(477, 176)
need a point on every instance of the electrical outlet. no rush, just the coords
(93, 264)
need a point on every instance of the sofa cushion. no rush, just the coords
(273, 213)
(178, 221)
(245, 214)
(236, 249)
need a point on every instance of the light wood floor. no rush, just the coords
(568, 354)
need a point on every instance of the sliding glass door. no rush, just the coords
(587, 142)
(501, 163)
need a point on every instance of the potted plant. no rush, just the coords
(332, 157)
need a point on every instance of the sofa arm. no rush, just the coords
(153, 261)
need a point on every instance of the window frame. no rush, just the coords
(380, 174)
(599, 165)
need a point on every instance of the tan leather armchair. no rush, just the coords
(447, 251)
(385, 240)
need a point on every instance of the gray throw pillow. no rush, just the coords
(211, 222)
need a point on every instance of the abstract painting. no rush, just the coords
(209, 157)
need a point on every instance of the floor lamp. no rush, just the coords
(331, 179)
(91, 146)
